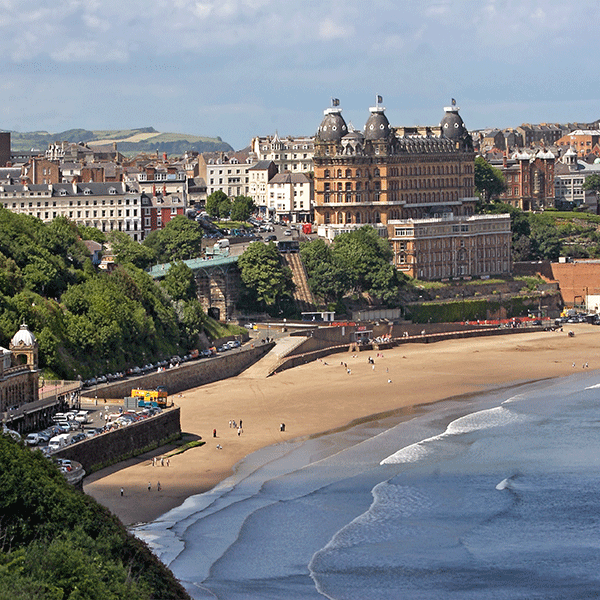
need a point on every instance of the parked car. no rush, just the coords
(33, 439)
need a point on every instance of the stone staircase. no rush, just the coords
(303, 297)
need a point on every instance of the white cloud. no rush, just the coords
(330, 30)
(265, 59)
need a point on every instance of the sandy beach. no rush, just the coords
(321, 397)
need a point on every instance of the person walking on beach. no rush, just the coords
(121, 491)
(149, 486)
(239, 431)
(241, 420)
(214, 433)
(158, 486)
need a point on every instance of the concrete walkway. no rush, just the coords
(268, 363)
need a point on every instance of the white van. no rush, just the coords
(82, 416)
(58, 441)
(224, 243)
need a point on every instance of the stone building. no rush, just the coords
(452, 246)
(294, 154)
(18, 373)
(376, 176)
(529, 176)
(105, 206)
(414, 185)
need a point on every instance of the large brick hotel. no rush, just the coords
(414, 185)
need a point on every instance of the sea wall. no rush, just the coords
(186, 375)
(117, 445)
(302, 355)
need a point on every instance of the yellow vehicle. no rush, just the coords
(157, 397)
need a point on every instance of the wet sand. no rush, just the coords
(322, 396)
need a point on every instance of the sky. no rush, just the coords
(241, 68)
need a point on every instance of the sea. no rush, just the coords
(494, 496)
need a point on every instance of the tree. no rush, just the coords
(358, 262)
(127, 250)
(218, 204)
(242, 208)
(489, 181)
(324, 277)
(181, 239)
(179, 282)
(263, 274)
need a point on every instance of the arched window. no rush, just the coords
(339, 173)
(348, 173)
(357, 218)
(326, 173)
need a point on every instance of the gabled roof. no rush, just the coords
(261, 165)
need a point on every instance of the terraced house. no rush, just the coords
(106, 206)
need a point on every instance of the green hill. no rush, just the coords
(59, 544)
(129, 141)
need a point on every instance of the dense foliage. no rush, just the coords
(88, 321)
(242, 208)
(218, 205)
(357, 263)
(489, 181)
(267, 282)
(57, 543)
(551, 234)
(180, 239)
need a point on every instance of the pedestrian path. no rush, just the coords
(268, 363)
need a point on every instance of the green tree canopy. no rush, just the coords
(325, 278)
(127, 250)
(592, 183)
(489, 181)
(180, 239)
(179, 282)
(263, 274)
(218, 204)
(58, 543)
(242, 208)
(357, 262)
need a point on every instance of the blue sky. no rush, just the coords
(238, 68)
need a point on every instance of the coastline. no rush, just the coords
(320, 398)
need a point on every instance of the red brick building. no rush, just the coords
(158, 210)
(529, 177)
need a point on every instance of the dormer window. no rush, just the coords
(87, 192)
(63, 192)
(112, 191)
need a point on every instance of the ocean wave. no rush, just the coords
(478, 421)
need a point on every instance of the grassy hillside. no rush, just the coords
(129, 141)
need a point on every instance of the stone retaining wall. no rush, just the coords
(302, 357)
(117, 445)
(187, 375)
